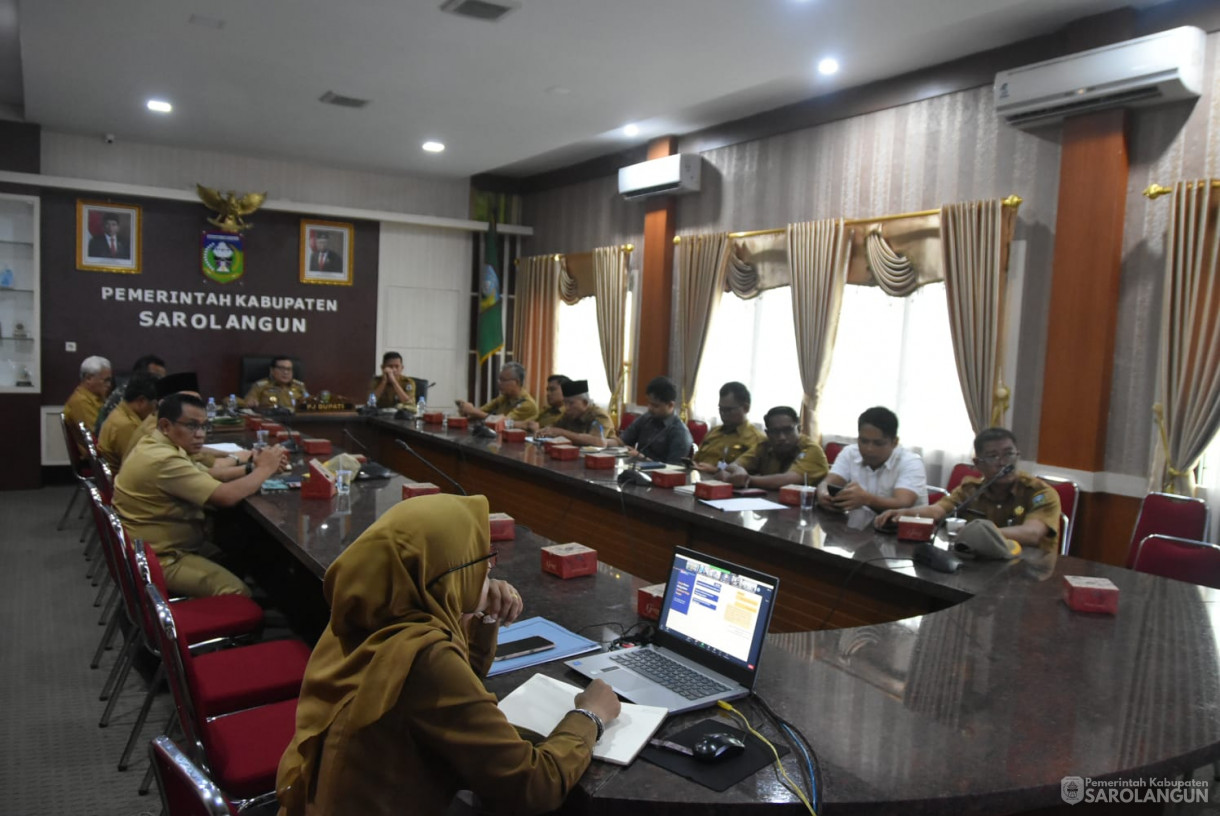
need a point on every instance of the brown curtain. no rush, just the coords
(610, 272)
(974, 242)
(893, 271)
(702, 261)
(1188, 414)
(818, 254)
(534, 317)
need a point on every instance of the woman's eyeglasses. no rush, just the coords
(490, 556)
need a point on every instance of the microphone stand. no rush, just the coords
(928, 554)
(402, 444)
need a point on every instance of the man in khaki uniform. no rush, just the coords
(161, 495)
(90, 394)
(514, 402)
(583, 423)
(139, 403)
(549, 415)
(392, 388)
(733, 436)
(785, 457)
(279, 389)
(1025, 509)
(149, 363)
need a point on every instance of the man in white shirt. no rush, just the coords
(876, 472)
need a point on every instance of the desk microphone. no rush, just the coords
(480, 431)
(402, 444)
(290, 444)
(929, 555)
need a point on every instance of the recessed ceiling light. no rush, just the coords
(828, 66)
(160, 106)
(631, 130)
(433, 147)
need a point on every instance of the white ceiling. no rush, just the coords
(673, 66)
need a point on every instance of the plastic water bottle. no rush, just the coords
(372, 400)
(211, 408)
(233, 404)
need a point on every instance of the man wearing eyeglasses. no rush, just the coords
(733, 436)
(279, 389)
(1025, 509)
(785, 457)
(161, 495)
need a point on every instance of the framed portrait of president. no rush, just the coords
(108, 236)
(326, 252)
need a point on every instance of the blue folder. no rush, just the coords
(567, 644)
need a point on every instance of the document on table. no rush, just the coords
(738, 505)
(224, 447)
(541, 702)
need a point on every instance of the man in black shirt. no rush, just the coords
(660, 434)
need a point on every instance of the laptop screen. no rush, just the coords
(718, 607)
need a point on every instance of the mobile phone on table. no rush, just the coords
(525, 646)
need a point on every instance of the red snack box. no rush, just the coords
(914, 528)
(320, 484)
(569, 560)
(563, 452)
(514, 435)
(286, 435)
(648, 600)
(600, 461)
(434, 417)
(1085, 594)
(791, 494)
(410, 491)
(272, 427)
(549, 441)
(503, 527)
(316, 446)
(458, 422)
(712, 489)
(254, 423)
(668, 478)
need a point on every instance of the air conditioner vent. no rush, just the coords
(490, 10)
(1063, 109)
(332, 98)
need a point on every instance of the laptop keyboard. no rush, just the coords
(669, 673)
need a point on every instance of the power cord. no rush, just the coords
(812, 766)
(779, 766)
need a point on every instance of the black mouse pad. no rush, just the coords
(719, 776)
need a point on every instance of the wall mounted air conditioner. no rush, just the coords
(672, 175)
(1152, 70)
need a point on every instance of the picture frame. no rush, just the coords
(109, 237)
(326, 252)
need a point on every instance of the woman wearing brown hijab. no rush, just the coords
(393, 716)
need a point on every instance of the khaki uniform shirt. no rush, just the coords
(1030, 498)
(549, 416)
(117, 432)
(725, 446)
(809, 460)
(160, 494)
(83, 406)
(584, 423)
(521, 409)
(286, 396)
(389, 397)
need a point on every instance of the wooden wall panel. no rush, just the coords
(656, 281)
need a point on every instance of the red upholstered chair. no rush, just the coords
(1171, 515)
(698, 430)
(80, 468)
(240, 750)
(935, 494)
(833, 449)
(626, 419)
(185, 788)
(961, 471)
(1195, 562)
(1069, 496)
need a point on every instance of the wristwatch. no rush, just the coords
(601, 726)
(249, 466)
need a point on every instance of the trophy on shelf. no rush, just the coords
(19, 332)
(25, 379)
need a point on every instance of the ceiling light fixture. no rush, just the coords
(159, 106)
(433, 147)
(631, 130)
(828, 66)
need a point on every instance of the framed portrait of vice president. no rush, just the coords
(108, 236)
(326, 252)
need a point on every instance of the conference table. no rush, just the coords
(981, 700)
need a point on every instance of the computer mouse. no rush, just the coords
(718, 746)
(635, 477)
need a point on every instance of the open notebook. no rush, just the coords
(539, 704)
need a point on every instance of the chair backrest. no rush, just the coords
(1171, 515)
(254, 368)
(421, 388)
(960, 471)
(185, 789)
(935, 494)
(1069, 497)
(76, 457)
(99, 504)
(103, 477)
(833, 449)
(698, 430)
(87, 441)
(626, 419)
(175, 656)
(1183, 559)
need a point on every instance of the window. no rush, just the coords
(578, 352)
(1209, 482)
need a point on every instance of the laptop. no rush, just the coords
(713, 621)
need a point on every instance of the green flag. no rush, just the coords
(491, 307)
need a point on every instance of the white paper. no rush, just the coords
(541, 702)
(686, 488)
(224, 447)
(738, 505)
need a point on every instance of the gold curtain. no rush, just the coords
(974, 240)
(1188, 413)
(534, 314)
(702, 261)
(610, 272)
(818, 254)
